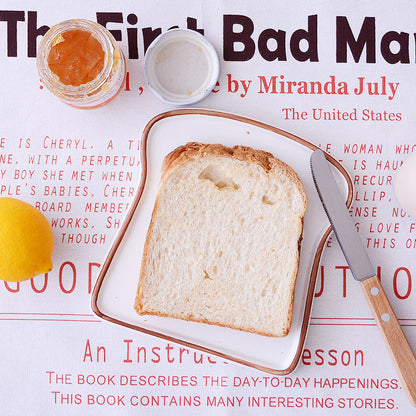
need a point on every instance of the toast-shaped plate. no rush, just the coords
(115, 290)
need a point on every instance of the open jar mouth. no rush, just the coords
(181, 67)
(111, 74)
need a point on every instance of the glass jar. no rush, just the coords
(87, 69)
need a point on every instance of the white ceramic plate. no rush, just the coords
(114, 293)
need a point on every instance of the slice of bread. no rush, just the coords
(223, 243)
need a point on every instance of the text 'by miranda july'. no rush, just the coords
(278, 84)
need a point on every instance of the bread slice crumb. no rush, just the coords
(223, 243)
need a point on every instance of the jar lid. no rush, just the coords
(181, 67)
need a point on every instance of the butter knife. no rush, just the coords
(364, 272)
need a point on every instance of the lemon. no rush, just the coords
(26, 241)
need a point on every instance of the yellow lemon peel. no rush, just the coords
(26, 241)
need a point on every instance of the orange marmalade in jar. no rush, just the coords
(81, 63)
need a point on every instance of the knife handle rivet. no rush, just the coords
(385, 317)
(375, 291)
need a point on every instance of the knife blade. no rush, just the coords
(340, 219)
(363, 271)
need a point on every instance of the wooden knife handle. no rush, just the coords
(397, 344)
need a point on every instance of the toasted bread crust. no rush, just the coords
(192, 151)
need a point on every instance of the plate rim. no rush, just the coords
(130, 213)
